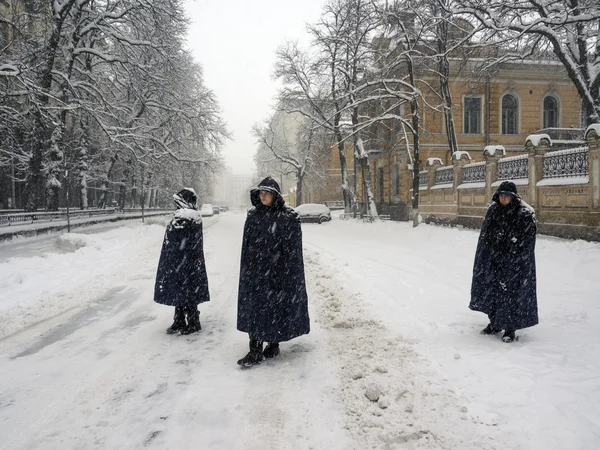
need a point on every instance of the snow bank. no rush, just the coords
(71, 242)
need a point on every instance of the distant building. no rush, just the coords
(232, 189)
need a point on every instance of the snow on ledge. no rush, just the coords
(536, 138)
(514, 158)
(459, 154)
(563, 181)
(475, 164)
(593, 127)
(493, 149)
(568, 151)
(432, 161)
(477, 185)
(518, 182)
(443, 186)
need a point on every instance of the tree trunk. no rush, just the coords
(344, 169)
(105, 180)
(84, 191)
(33, 192)
(54, 167)
(444, 68)
(363, 159)
(414, 106)
(299, 183)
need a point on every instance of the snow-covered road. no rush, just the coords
(85, 362)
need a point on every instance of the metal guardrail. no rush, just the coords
(444, 175)
(566, 163)
(474, 173)
(513, 167)
(50, 216)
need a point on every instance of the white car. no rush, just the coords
(206, 210)
(314, 212)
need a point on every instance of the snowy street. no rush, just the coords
(85, 362)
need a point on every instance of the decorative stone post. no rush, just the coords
(592, 136)
(459, 160)
(491, 155)
(536, 145)
(431, 165)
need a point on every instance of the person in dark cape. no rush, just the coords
(181, 279)
(272, 298)
(504, 276)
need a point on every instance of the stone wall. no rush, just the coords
(562, 185)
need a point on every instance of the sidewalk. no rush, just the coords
(34, 229)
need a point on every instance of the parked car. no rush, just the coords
(314, 212)
(216, 210)
(207, 210)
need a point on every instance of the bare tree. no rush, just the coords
(107, 78)
(296, 151)
(567, 28)
(313, 85)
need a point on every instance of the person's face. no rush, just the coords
(266, 198)
(505, 199)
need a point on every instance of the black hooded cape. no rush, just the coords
(504, 276)
(272, 298)
(181, 279)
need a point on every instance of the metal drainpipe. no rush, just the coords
(487, 111)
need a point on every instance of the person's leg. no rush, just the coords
(178, 321)
(271, 350)
(255, 355)
(193, 320)
(491, 328)
(509, 336)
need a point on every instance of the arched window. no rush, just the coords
(510, 107)
(550, 112)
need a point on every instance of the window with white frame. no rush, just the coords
(550, 119)
(395, 180)
(510, 110)
(472, 115)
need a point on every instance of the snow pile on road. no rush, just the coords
(391, 394)
(73, 241)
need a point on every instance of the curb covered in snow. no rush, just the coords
(51, 228)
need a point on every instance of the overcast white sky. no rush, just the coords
(235, 41)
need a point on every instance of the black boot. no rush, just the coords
(490, 330)
(509, 336)
(254, 356)
(178, 321)
(193, 321)
(271, 350)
